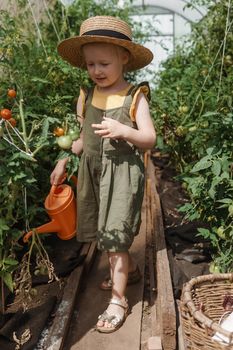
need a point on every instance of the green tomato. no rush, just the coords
(192, 128)
(220, 232)
(213, 268)
(180, 109)
(205, 124)
(64, 141)
(228, 60)
(74, 134)
(204, 72)
(185, 109)
(180, 130)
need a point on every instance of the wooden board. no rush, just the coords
(165, 304)
(59, 328)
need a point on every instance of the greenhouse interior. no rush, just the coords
(116, 153)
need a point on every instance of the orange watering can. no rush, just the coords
(60, 205)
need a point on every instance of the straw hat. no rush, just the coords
(104, 29)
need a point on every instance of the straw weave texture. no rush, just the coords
(201, 309)
(109, 23)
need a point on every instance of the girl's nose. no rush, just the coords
(97, 69)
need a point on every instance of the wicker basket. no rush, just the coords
(201, 309)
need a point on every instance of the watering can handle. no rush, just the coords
(54, 187)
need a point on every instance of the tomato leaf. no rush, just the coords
(7, 279)
(201, 165)
(216, 167)
(9, 261)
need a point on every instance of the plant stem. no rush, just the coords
(23, 125)
(3, 296)
(37, 150)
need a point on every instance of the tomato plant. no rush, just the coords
(193, 111)
(45, 96)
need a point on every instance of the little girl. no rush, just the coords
(116, 125)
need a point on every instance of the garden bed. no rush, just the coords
(188, 253)
(28, 317)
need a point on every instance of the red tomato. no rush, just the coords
(12, 121)
(11, 93)
(58, 131)
(5, 113)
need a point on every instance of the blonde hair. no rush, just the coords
(119, 50)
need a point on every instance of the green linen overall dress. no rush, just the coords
(110, 181)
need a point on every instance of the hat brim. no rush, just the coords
(70, 50)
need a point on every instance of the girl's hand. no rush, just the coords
(77, 147)
(109, 128)
(58, 174)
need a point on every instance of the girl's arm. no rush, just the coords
(58, 172)
(144, 137)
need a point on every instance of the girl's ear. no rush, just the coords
(125, 57)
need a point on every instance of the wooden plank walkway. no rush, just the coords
(92, 302)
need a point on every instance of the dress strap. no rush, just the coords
(85, 95)
(140, 88)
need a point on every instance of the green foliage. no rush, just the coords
(193, 113)
(47, 90)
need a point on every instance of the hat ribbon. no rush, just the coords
(107, 32)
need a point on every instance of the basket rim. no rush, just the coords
(197, 314)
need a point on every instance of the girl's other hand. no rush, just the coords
(77, 147)
(109, 128)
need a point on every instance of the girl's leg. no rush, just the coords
(132, 263)
(119, 266)
(133, 274)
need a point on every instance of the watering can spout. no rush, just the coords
(51, 226)
(60, 205)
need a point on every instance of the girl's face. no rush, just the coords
(105, 64)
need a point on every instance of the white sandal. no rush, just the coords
(115, 320)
